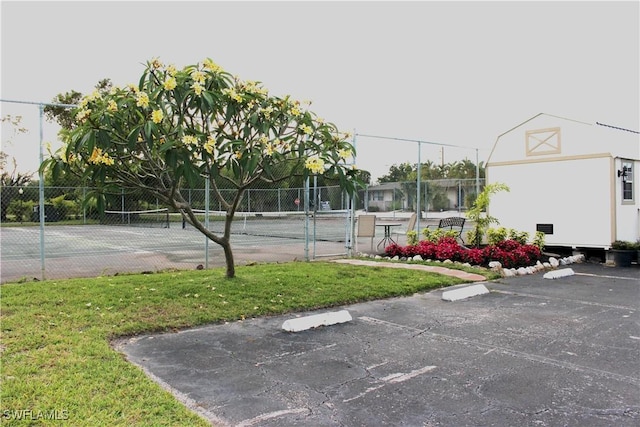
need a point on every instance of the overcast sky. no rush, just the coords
(457, 73)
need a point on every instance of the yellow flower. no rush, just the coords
(209, 65)
(155, 63)
(344, 153)
(283, 145)
(171, 70)
(306, 129)
(270, 148)
(94, 95)
(197, 88)
(251, 86)
(295, 111)
(83, 115)
(267, 111)
(231, 93)
(107, 160)
(142, 99)
(315, 164)
(238, 155)
(96, 155)
(210, 145)
(112, 106)
(170, 83)
(157, 116)
(189, 140)
(198, 76)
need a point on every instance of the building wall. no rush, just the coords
(573, 196)
(562, 172)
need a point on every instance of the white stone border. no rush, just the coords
(552, 264)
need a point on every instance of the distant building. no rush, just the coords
(442, 195)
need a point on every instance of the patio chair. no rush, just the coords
(410, 226)
(366, 228)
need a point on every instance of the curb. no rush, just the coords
(429, 268)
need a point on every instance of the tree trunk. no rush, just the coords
(228, 257)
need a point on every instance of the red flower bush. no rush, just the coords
(510, 253)
(474, 256)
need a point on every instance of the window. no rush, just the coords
(627, 181)
(377, 195)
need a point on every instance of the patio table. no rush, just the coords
(387, 240)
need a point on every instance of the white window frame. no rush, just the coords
(627, 181)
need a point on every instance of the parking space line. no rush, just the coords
(516, 353)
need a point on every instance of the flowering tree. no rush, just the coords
(177, 126)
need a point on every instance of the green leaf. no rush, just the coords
(208, 99)
(166, 146)
(252, 162)
(132, 138)
(56, 172)
(171, 158)
(148, 131)
(103, 138)
(191, 175)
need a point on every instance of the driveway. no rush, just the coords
(532, 352)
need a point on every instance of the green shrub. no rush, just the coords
(521, 237)
(412, 237)
(539, 239)
(435, 234)
(496, 235)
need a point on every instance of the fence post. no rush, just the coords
(41, 194)
(306, 219)
(279, 207)
(206, 222)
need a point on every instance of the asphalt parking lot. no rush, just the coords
(532, 352)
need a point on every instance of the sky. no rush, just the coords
(448, 73)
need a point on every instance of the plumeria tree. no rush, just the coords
(177, 126)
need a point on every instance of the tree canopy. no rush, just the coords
(177, 126)
(461, 169)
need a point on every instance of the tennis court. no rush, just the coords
(91, 250)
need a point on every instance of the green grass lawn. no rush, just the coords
(56, 358)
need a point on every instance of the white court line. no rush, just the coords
(137, 233)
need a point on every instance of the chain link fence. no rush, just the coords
(136, 233)
(437, 195)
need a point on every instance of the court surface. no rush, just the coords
(532, 352)
(92, 250)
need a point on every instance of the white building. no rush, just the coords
(576, 181)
